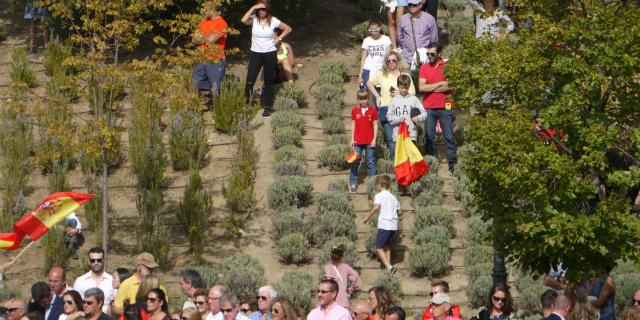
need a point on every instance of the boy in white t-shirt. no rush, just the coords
(374, 49)
(389, 208)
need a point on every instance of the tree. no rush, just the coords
(555, 133)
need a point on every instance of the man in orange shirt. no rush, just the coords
(211, 37)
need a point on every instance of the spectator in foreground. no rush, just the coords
(547, 299)
(395, 313)
(380, 299)
(41, 297)
(73, 307)
(190, 282)
(211, 37)
(265, 297)
(560, 308)
(92, 303)
(96, 277)
(16, 308)
(361, 310)
(145, 264)
(282, 309)
(499, 305)
(630, 314)
(328, 308)
(440, 286)
(440, 307)
(157, 305)
(635, 301)
(214, 302)
(200, 301)
(229, 306)
(347, 278)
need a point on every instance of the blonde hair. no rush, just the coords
(402, 66)
(149, 282)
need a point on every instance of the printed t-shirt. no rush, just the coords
(376, 50)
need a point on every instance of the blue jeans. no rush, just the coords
(209, 75)
(388, 131)
(446, 123)
(370, 155)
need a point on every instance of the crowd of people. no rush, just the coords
(140, 294)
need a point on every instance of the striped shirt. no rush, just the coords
(426, 31)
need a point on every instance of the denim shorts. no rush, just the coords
(384, 237)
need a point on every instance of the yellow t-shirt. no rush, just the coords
(128, 290)
(386, 82)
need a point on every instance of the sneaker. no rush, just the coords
(393, 270)
(353, 188)
(266, 113)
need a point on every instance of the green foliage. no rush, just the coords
(210, 276)
(476, 254)
(328, 92)
(289, 168)
(9, 293)
(289, 191)
(283, 136)
(350, 256)
(437, 235)
(56, 143)
(289, 153)
(332, 157)
(293, 248)
(338, 185)
(385, 166)
(430, 260)
(187, 139)
(296, 286)
(529, 291)
(291, 90)
(428, 182)
(55, 251)
(243, 273)
(334, 67)
(284, 103)
(458, 25)
(434, 216)
(333, 125)
(193, 213)
(334, 201)
(287, 222)
(432, 162)
(288, 119)
(476, 271)
(392, 283)
(555, 202)
(453, 5)
(54, 58)
(229, 106)
(21, 73)
(427, 198)
(337, 139)
(330, 224)
(477, 229)
(626, 285)
(93, 209)
(58, 178)
(328, 108)
(478, 291)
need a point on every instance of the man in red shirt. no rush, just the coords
(436, 287)
(211, 37)
(364, 128)
(435, 88)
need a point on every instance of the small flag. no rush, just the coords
(409, 165)
(47, 214)
(352, 157)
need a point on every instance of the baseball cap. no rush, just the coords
(440, 298)
(415, 1)
(147, 259)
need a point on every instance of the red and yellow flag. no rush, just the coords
(47, 214)
(409, 165)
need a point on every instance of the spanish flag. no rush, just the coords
(47, 214)
(409, 165)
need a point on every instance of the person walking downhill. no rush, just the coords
(374, 49)
(364, 130)
(263, 54)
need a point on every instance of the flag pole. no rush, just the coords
(7, 265)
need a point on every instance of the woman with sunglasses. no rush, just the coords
(374, 49)
(72, 304)
(387, 80)
(200, 300)
(380, 299)
(157, 306)
(499, 305)
(263, 53)
(282, 309)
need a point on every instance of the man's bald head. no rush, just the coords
(57, 280)
(360, 310)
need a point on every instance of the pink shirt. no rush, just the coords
(347, 278)
(333, 312)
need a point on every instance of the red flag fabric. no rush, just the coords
(409, 165)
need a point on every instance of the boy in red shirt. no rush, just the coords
(211, 37)
(364, 128)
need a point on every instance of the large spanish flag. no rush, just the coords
(409, 165)
(47, 214)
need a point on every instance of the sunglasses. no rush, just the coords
(635, 302)
(200, 303)
(275, 311)
(244, 310)
(374, 30)
(226, 310)
(498, 299)
(263, 298)
(261, 9)
(372, 298)
(392, 60)
(432, 54)
(95, 260)
(9, 310)
(88, 302)
(323, 291)
(68, 302)
(152, 299)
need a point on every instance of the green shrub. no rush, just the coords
(458, 24)
(286, 136)
(623, 267)
(333, 125)
(626, 285)
(289, 168)
(62, 87)
(453, 5)
(287, 119)
(9, 293)
(428, 182)
(338, 185)
(289, 191)
(243, 273)
(459, 186)
(427, 198)
(478, 270)
(210, 276)
(229, 107)
(438, 235)
(476, 254)
(287, 222)
(21, 73)
(433, 163)
(337, 139)
(430, 260)
(330, 224)
(334, 201)
(238, 191)
(385, 166)
(478, 291)
(283, 103)
(467, 204)
(290, 153)
(328, 92)
(391, 283)
(3, 37)
(296, 286)
(293, 248)
(331, 79)
(371, 186)
(187, 139)
(55, 57)
(55, 252)
(529, 291)
(334, 67)
(332, 157)
(292, 91)
(477, 229)
(193, 213)
(434, 216)
(350, 256)
(327, 109)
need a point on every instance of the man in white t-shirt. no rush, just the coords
(374, 48)
(389, 208)
(96, 278)
(214, 302)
